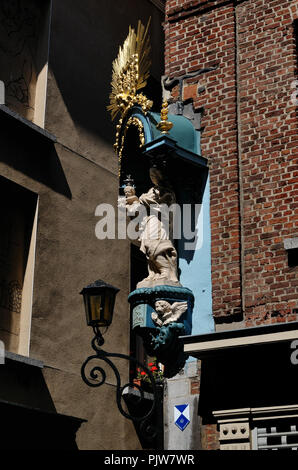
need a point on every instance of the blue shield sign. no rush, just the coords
(181, 416)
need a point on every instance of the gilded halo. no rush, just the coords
(131, 69)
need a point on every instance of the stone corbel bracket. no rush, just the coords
(163, 342)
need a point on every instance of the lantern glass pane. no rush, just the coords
(87, 309)
(95, 308)
(108, 307)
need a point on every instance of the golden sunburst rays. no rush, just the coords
(131, 70)
(143, 53)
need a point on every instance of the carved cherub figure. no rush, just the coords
(166, 313)
(130, 195)
(129, 199)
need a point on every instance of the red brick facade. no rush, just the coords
(249, 135)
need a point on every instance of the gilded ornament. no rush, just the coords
(164, 125)
(131, 69)
(132, 121)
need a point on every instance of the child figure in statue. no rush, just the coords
(130, 195)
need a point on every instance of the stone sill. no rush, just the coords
(215, 343)
(256, 414)
(12, 114)
(46, 414)
(291, 243)
(24, 359)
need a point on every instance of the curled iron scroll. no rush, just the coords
(97, 377)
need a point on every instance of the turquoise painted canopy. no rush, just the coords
(182, 131)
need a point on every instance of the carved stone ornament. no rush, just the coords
(165, 313)
(234, 429)
(160, 315)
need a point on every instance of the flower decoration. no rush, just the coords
(155, 370)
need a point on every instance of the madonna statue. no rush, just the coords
(155, 232)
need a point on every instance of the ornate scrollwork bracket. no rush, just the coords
(97, 377)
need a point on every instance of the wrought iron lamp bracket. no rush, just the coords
(97, 376)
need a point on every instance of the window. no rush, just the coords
(291, 245)
(24, 35)
(17, 247)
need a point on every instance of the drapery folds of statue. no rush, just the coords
(155, 230)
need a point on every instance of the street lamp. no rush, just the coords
(99, 300)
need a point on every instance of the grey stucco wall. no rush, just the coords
(178, 392)
(71, 178)
(69, 256)
(85, 38)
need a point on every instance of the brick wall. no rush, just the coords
(249, 135)
(210, 437)
(268, 125)
(207, 40)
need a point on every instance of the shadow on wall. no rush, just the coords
(85, 38)
(32, 154)
(253, 376)
(28, 416)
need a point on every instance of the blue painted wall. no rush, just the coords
(196, 270)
